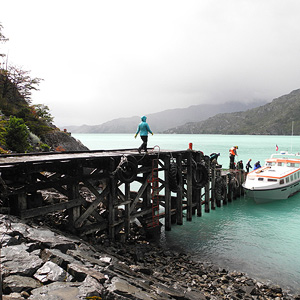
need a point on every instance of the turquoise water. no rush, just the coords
(262, 240)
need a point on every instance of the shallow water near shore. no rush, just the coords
(261, 240)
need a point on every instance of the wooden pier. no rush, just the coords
(104, 191)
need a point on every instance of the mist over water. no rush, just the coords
(262, 240)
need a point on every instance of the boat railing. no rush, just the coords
(285, 154)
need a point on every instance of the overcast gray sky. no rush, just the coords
(102, 60)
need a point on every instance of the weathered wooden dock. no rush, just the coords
(122, 186)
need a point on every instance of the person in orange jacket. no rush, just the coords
(232, 155)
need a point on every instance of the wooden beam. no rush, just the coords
(91, 208)
(43, 210)
(140, 193)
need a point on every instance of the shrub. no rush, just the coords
(44, 147)
(17, 134)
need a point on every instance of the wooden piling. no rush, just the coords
(189, 187)
(207, 196)
(167, 194)
(179, 208)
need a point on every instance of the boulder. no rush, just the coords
(17, 284)
(52, 272)
(16, 260)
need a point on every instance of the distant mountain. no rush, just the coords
(274, 118)
(164, 120)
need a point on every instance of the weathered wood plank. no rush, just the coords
(43, 210)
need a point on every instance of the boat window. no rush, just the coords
(290, 164)
(260, 179)
(271, 179)
(287, 180)
(280, 164)
(298, 174)
(281, 181)
(297, 165)
(292, 177)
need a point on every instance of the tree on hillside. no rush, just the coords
(22, 82)
(17, 135)
(42, 111)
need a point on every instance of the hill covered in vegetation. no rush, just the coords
(274, 118)
(25, 127)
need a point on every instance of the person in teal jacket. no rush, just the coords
(143, 129)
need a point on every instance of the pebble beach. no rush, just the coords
(39, 262)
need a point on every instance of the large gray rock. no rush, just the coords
(16, 260)
(56, 291)
(17, 283)
(80, 271)
(123, 288)
(50, 239)
(52, 272)
(68, 290)
(56, 256)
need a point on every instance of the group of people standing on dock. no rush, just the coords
(240, 165)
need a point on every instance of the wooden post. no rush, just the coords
(74, 213)
(242, 181)
(167, 195)
(235, 190)
(230, 190)
(22, 202)
(225, 178)
(213, 186)
(179, 213)
(207, 191)
(198, 191)
(127, 210)
(226, 194)
(111, 202)
(189, 187)
(218, 175)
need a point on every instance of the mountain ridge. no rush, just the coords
(166, 119)
(274, 118)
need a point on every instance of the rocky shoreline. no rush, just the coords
(41, 263)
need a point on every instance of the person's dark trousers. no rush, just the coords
(144, 145)
(231, 166)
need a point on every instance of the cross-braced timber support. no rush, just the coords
(105, 191)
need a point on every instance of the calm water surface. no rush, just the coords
(262, 240)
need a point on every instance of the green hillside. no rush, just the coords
(22, 126)
(274, 118)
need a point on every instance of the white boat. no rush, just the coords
(278, 179)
